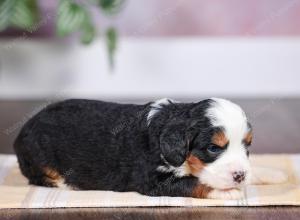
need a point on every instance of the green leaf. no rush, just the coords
(111, 6)
(6, 10)
(25, 14)
(70, 17)
(111, 43)
(87, 33)
(73, 17)
(19, 13)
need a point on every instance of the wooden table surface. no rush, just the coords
(276, 125)
(207, 213)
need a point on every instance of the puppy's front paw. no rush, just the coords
(231, 194)
(262, 175)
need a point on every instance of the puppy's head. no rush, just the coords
(210, 140)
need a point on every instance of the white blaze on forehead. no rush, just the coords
(229, 116)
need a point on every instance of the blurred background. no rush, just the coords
(137, 51)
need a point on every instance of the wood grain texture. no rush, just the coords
(212, 213)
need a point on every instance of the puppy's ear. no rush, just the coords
(174, 143)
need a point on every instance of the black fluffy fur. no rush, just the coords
(97, 145)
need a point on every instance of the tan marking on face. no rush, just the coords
(219, 139)
(248, 138)
(52, 176)
(195, 165)
(201, 191)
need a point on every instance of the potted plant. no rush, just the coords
(70, 16)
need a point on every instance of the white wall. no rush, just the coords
(146, 68)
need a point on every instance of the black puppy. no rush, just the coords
(162, 148)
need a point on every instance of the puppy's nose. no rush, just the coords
(239, 176)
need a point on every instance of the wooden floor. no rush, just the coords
(276, 125)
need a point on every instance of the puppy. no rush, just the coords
(162, 148)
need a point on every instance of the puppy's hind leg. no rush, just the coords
(264, 175)
(40, 179)
(37, 175)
